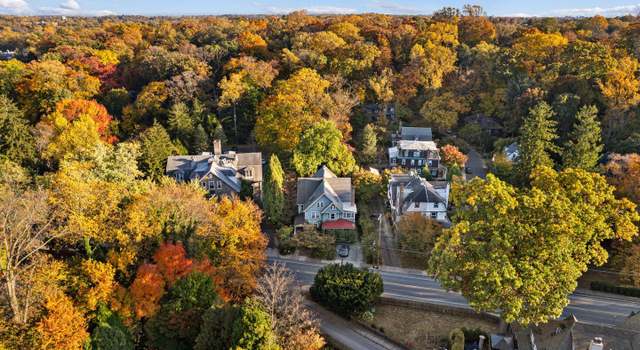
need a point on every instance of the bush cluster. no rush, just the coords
(346, 289)
(611, 288)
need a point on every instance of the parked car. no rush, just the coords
(343, 250)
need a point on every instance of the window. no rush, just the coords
(416, 154)
(420, 162)
(300, 208)
(436, 205)
(179, 176)
(314, 215)
(434, 215)
(333, 207)
(416, 204)
(413, 162)
(404, 161)
(219, 185)
(319, 204)
(212, 184)
(248, 172)
(333, 216)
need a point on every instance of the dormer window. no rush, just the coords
(333, 207)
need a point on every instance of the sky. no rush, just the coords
(219, 7)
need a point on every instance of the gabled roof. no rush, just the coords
(324, 183)
(324, 172)
(417, 190)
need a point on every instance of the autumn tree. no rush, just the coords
(584, 146)
(418, 233)
(294, 326)
(245, 326)
(63, 326)
(513, 236)
(442, 110)
(232, 240)
(368, 144)
(26, 227)
(274, 200)
(475, 29)
(295, 103)
(48, 82)
(623, 172)
(16, 142)
(536, 142)
(452, 155)
(322, 144)
(177, 323)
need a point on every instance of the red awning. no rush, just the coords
(340, 224)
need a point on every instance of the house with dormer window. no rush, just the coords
(410, 193)
(414, 148)
(325, 201)
(219, 173)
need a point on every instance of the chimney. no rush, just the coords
(217, 147)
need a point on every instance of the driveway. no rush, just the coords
(476, 164)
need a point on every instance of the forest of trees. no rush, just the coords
(100, 250)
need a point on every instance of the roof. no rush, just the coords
(223, 166)
(419, 189)
(324, 182)
(418, 145)
(324, 172)
(415, 133)
(340, 224)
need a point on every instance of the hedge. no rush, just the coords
(611, 288)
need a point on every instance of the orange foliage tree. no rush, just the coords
(171, 264)
(72, 109)
(63, 326)
(232, 239)
(452, 155)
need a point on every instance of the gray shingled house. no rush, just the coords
(219, 173)
(325, 201)
(409, 193)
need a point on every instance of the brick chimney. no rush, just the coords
(217, 147)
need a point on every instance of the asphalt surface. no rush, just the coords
(586, 306)
(476, 164)
(348, 335)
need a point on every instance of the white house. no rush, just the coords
(409, 193)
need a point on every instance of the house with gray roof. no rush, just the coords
(219, 173)
(325, 201)
(410, 193)
(414, 148)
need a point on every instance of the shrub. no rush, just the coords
(611, 288)
(344, 236)
(319, 245)
(346, 289)
(456, 339)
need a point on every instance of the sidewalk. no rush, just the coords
(347, 335)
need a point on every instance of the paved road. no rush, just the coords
(587, 307)
(348, 335)
(476, 164)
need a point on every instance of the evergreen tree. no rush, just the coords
(181, 124)
(585, 142)
(274, 201)
(16, 143)
(156, 147)
(536, 140)
(368, 144)
(200, 140)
